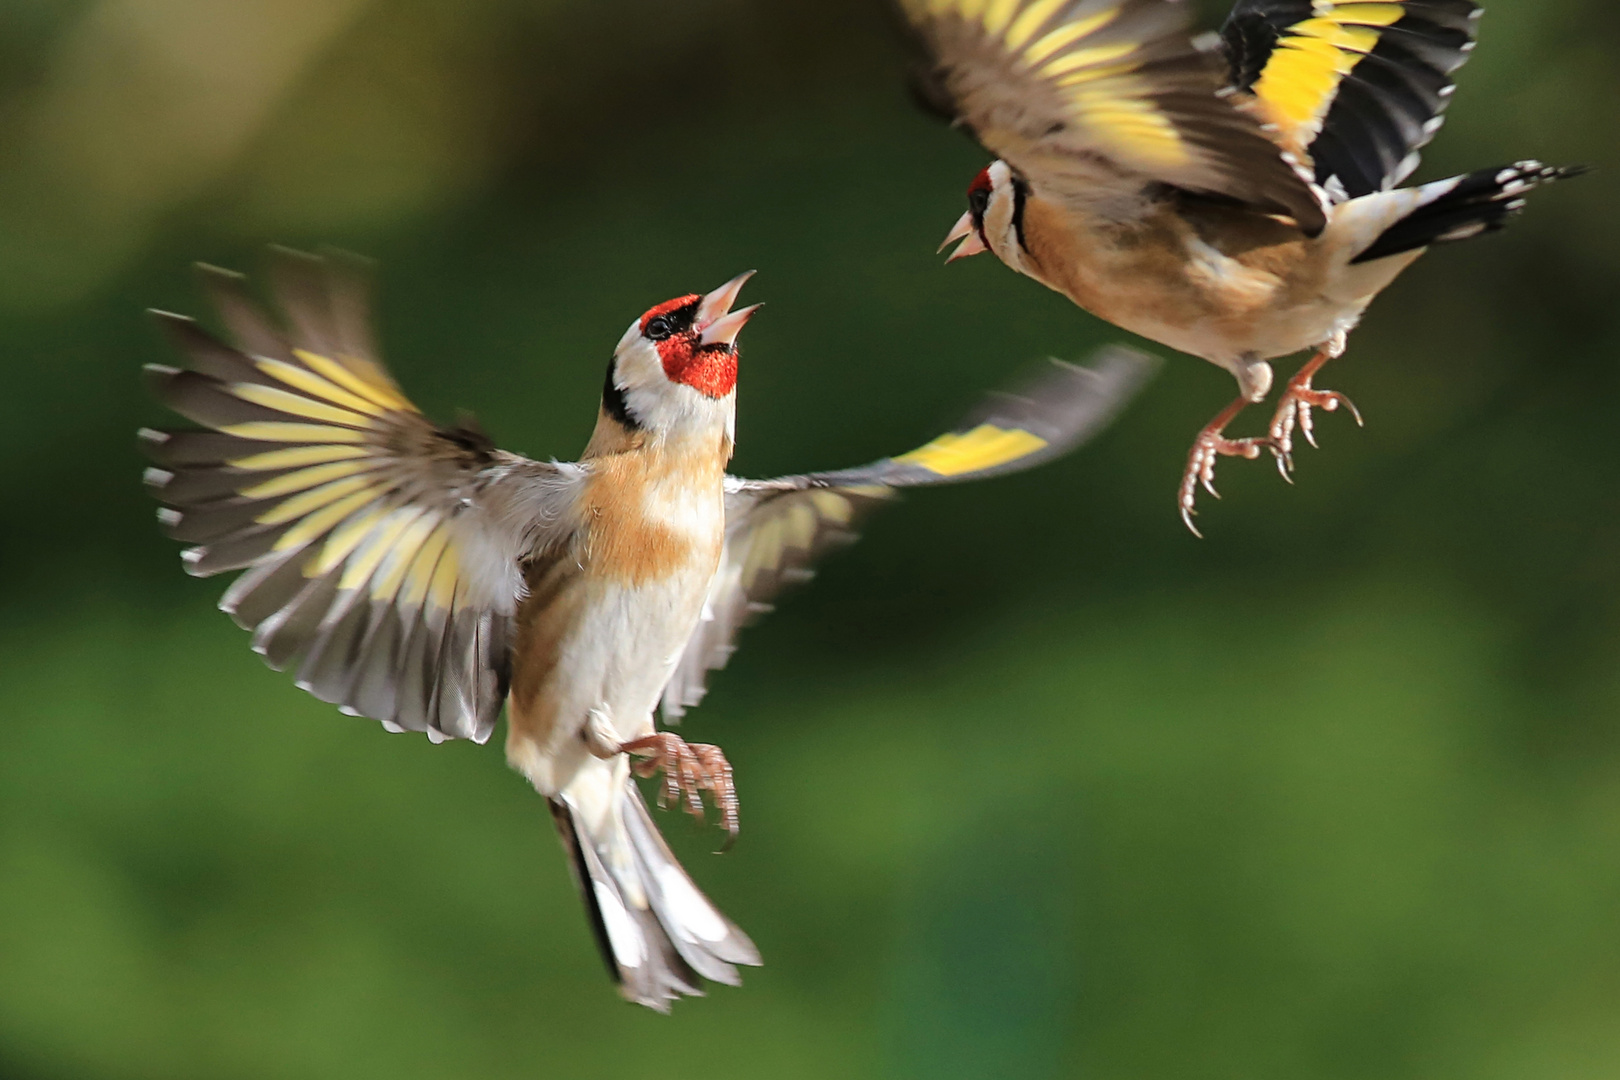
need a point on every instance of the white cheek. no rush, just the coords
(1000, 232)
(663, 407)
(638, 366)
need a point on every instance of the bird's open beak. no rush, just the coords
(717, 323)
(964, 231)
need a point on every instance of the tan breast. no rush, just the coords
(651, 512)
(1200, 277)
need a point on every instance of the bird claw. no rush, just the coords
(1285, 465)
(1299, 397)
(689, 770)
(1209, 447)
(1294, 409)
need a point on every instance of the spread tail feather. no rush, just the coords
(659, 935)
(1464, 206)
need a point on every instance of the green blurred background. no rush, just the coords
(1034, 784)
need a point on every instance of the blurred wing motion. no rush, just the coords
(382, 552)
(1096, 100)
(776, 528)
(1357, 85)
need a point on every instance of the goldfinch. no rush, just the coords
(1232, 197)
(417, 575)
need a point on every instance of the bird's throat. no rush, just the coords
(710, 370)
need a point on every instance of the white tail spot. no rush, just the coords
(692, 913)
(623, 934)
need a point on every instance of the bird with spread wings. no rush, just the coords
(1235, 196)
(416, 574)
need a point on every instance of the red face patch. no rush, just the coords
(981, 182)
(709, 369)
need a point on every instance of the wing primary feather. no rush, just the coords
(196, 487)
(264, 590)
(282, 638)
(333, 650)
(409, 690)
(213, 522)
(238, 550)
(206, 353)
(325, 485)
(1360, 86)
(349, 279)
(250, 328)
(172, 449)
(298, 282)
(371, 690)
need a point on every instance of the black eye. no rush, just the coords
(658, 328)
(978, 202)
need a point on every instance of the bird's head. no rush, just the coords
(995, 216)
(675, 369)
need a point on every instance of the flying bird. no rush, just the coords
(1235, 197)
(415, 574)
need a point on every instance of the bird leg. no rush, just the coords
(1210, 445)
(689, 770)
(1297, 401)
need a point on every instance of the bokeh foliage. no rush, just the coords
(1034, 784)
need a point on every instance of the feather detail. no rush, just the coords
(1357, 86)
(381, 559)
(1099, 102)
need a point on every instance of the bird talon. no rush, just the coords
(1210, 446)
(1350, 407)
(689, 770)
(1206, 473)
(1307, 427)
(1299, 398)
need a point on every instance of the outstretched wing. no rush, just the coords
(776, 528)
(1359, 86)
(382, 553)
(1095, 101)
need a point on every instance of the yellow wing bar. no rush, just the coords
(1300, 81)
(1357, 86)
(985, 447)
(1089, 57)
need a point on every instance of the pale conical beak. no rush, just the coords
(715, 305)
(971, 246)
(964, 231)
(724, 330)
(963, 227)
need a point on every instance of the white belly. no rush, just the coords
(1267, 335)
(625, 646)
(634, 602)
